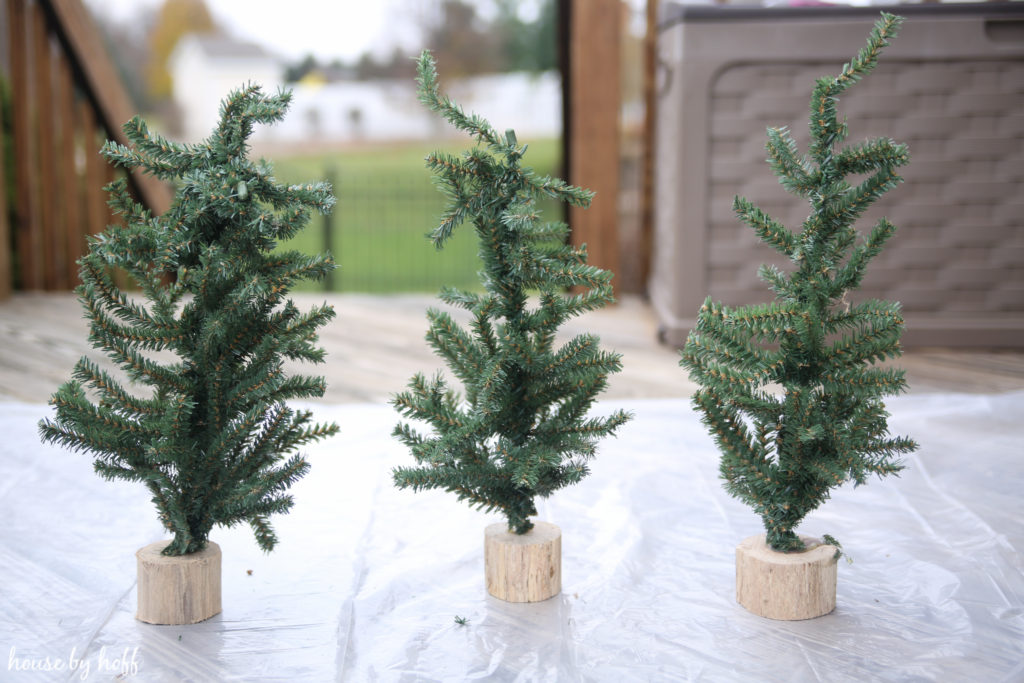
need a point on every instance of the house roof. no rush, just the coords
(220, 45)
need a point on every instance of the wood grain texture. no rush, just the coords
(526, 567)
(376, 344)
(594, 103)
(103, 87)
(28, 236)
(55, 57)
(6, 274)
(178, 590)
(786, 586)
(70, 196)
(96, 213)
(43, 128)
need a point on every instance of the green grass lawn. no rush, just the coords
(387, 205)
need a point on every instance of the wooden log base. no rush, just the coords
(526, 567)
(786, 586)
(178, 590)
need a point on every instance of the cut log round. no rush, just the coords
(523, 567)
(178, 590)
(786, 586)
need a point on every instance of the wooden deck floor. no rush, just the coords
(376, 344)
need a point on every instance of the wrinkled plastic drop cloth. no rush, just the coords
(367, 580)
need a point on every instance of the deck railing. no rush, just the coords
(63, 97)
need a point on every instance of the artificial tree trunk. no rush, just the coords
(178, 589)
(523, 567)
(786, 585)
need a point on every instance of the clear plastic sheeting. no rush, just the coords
(368, 580)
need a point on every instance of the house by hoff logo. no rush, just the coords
(124, 663)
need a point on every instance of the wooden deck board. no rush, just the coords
(375, 345)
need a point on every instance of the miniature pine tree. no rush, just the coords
(782, 453)
(521, 430)
(211, 438)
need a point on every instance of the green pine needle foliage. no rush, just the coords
(783, 451)
(521, 430)
(213, 438)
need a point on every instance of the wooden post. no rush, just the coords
(26, 215)
(6, 275)
(646, 246)
(786, 586)
(95, 209)
(178, 590)
(43, 125)
(523, 567)
(592, 128)
(70, 195)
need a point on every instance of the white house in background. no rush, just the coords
(205, 68)
(353, 111)
(528, 102)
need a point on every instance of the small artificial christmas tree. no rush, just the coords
(209, 440)
(522, 429)
(782, 453)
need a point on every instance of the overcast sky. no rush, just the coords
(328, 29)
(294, 28)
